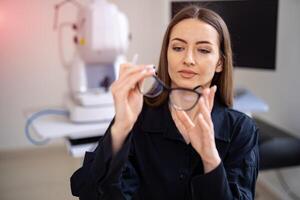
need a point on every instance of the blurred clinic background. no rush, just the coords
(58, 58)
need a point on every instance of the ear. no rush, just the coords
(219, 66)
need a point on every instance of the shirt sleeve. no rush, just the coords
(100, 173)
(236, 175)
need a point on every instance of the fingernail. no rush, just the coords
(201, 99)
(146, 68)
(200, 115)
(206, 91)
(149, 67)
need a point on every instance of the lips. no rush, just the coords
(187, 73)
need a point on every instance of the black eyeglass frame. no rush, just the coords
(169, 90)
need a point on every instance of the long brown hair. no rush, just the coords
(223, 79)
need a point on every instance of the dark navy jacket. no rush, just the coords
(155, 162)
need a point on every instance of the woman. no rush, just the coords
(155, 149)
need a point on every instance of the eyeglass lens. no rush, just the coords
(150, 87)
(183, 99)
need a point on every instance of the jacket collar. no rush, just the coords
(159, 120)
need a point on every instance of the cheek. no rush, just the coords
(206, 72)
(208, 64)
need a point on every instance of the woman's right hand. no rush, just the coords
(128, 100)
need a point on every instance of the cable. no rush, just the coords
(286, 187)
(37, 115)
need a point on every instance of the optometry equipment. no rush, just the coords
(101, 39)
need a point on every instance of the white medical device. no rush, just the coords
(101, 40)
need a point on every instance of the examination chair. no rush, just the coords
(277, 148)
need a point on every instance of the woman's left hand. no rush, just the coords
(200, 131)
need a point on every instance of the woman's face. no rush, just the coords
(193, 54)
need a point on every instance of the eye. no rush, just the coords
(204, 51)
(178, 49)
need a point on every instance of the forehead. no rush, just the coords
(193, 30)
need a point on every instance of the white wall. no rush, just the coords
(30, 73)
(147, 24)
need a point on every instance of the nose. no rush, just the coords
(189, 59)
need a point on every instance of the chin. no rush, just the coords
(191, 84)
(187, 84)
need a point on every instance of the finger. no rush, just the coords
(205, 111)
(178, 122)
(123, 67)
(185, 120)
(130, 83)
(130, 69)
(129, 77)
(205, 95)
(136, 93)
(117, 87)
(205, 128)
(128, 73)
(212, 97)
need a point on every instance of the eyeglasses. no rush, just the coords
(180, 98)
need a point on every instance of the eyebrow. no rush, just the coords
(199, 42)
